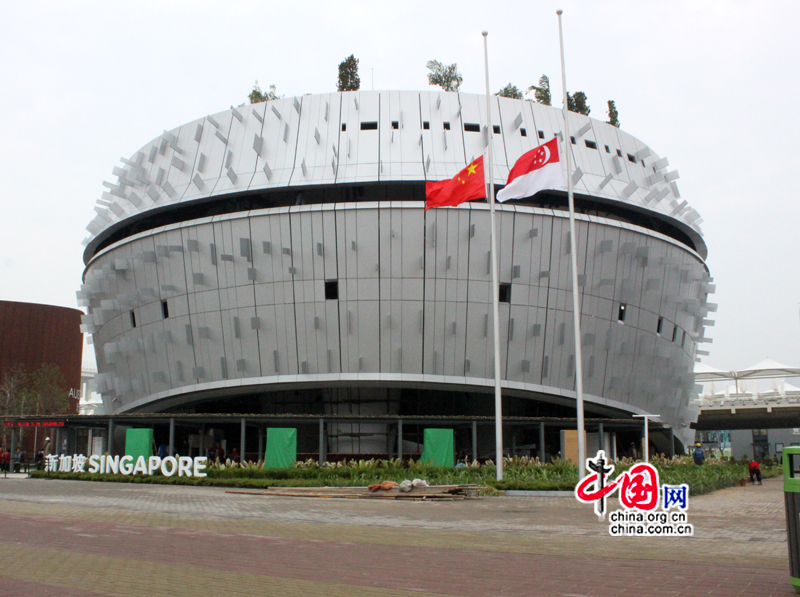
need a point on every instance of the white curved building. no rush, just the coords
(276, 257)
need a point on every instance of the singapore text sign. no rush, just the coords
(182, 466)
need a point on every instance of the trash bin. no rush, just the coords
(791, 497)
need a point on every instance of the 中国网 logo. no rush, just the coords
(639, 493)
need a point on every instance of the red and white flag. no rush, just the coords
(536, 170)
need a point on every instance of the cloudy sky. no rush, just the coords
(711, 85)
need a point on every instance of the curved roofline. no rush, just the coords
(364, 137)
(160, 216)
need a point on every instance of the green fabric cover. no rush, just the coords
(281, 447)
(139, 442)
(438, 447)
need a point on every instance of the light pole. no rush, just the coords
(647, 434)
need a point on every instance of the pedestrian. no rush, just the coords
(699, 455)
(755, 472)
(48, 447)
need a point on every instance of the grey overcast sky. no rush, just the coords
(711, 85)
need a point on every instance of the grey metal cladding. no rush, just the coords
(414, 287)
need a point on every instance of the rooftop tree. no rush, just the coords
(348, 75)
(446, 77)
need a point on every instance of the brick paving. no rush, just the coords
(77, 538)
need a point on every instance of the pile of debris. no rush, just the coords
(388, 490)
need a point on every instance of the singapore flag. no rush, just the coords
(536, 170)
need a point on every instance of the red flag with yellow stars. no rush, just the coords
(467, 185)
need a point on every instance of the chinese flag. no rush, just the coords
(467, 185)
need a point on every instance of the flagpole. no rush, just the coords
(498, 398)
(576, 306)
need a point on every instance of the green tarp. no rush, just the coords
(438, 447)
(281, 447)
(139, 442)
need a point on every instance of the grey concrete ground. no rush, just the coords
(82, 538)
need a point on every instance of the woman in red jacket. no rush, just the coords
(755, 472)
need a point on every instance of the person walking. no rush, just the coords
(699, 454)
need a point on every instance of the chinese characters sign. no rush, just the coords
(639, 491)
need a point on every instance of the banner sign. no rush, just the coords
(33, 423)
(182, 466)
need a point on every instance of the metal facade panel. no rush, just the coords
(241, 159)
(317, 140)
(380, 321)
(214, 150)
(277, 154)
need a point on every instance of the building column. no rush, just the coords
(171, 437)
(400, 439)
(89, 442)
(111, 437)
(260, 442)
(474, 440)
(671, 442)
(321, 460)
(601, 436)
(13, 450)
(541, 442)
(243, 437)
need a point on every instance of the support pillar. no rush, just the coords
(513, 444)
(321, 460)
(13, 450)
(601, 437)
(58, 442)
(474, 440)
(541, 442)
(260, 443)
(171, 437)
(400, 439)
(671, 442)
(111, 436)
(242, 438)
(89, 441)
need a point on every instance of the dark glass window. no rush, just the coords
(426, 125)
(369, 126)
(395, 124)
(344, 126)
(470, 127)
(164, 309)
(590, 144)
(505, 293)
(523, 132)
(621, 313)
(133, 319)
(331, 290)
(446, 126)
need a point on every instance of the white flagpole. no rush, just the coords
(498, 398)
(576, 305)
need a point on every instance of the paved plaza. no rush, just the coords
(70, 538)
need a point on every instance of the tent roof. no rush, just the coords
(768, 368)
(703, 373)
